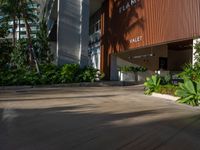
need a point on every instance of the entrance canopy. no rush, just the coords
(170, 57)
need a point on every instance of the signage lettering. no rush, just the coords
(127, 5)
(136, 39)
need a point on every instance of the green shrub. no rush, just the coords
(167, 89)
(191, 72)
(152, 84)
(189, 91)
(126, 69)
(165, 80)
(69, 73)
(49, 74)
(19, 55)
(89, 74)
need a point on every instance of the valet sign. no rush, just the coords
(136, 39)
(127, 5)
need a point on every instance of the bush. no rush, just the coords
(18, 77)
(152, 84)
(191, 72)
(69, 73)
(165, 80)
(189, 91)
(126, 69)
(50, 74)
(89, 74)
(19, 55)
(167, 89)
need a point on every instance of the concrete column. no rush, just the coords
(73, 29)
(113, 68)
(84, 40)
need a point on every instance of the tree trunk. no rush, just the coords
(14, 31)
(32, 56)
(19, 27)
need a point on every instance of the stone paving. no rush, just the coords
(101, 118)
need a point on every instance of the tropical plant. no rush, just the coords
(9, 9)
(126, 69)
(89, 74)
(5, 49)
(152, 84)
(189, 92)
(28, 15)
(166, 80)
(4, 30)
(167, 89)
(191, 72)
(197, 53)
(19, 55)
(5, 46)
(69, 73)
(43, 51)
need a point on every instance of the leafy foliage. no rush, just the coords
(152, 84)
(167, 89)
(19, 55)
(50, 74)
(165, 80)
(89, 74)
(126, 69)
(191, 72)
(41, 45)
(189, 92)
(4, 29)
(69, 73)
(5, 50)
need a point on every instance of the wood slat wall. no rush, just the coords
(156, 21)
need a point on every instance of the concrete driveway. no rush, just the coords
(104, 118)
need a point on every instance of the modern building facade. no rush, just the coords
(156, 34)
(68, 26)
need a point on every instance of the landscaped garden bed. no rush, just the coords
(188, 88)
(187, 92)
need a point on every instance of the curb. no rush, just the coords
(82, 84)
(165, 96)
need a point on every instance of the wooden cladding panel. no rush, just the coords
(156, 21)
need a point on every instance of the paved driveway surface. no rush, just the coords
(105, 118)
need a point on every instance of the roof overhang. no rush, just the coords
(95, 5)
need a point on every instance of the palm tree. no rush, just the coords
(20, 9)
(9, 9)
(26, 12)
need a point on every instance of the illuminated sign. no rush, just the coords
(127, 5)
(135, 39)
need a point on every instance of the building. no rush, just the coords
(21, 29)
(20, 24)
(156, 34)
(68, 26)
